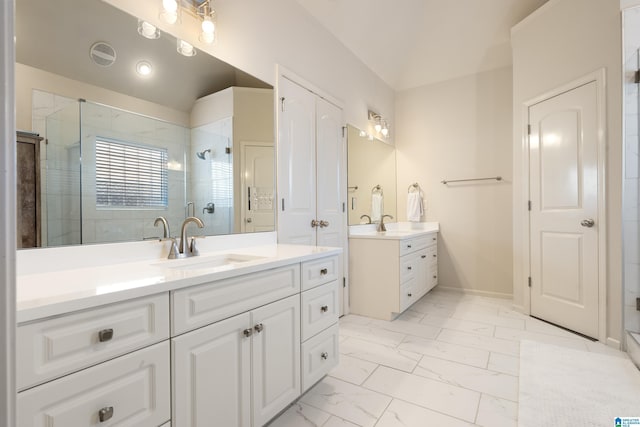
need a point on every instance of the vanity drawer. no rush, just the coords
(57, 346)
(408, 267)
(320, 271)
(319, 356)
(204, 304)
(408, 294)
(131, 390)
(411, 245)
(319, 309)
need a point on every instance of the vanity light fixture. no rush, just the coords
(144, 68)
(200, 9)
(148, 30)
(380, 125)
(185, 48)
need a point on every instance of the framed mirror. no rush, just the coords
(133, 130)
(371, 177)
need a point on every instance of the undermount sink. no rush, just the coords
(208, 262)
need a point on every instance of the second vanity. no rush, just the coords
(229, 338)
(391, 270)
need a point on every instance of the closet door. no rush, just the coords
(329, 164)
(296, 164)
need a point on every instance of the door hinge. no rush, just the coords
(282, 205)
(528, 129)
(344, 207)
(637, 77)
(529, 204)
(344, 283)
(344, 129)
(282, 103)
(529, 281)
(638, 304)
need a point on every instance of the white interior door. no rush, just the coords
(258, 188)
(564, 209)
(296, 164)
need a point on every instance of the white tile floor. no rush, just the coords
(450, 360)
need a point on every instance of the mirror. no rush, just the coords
(195, 136)
(370, 163)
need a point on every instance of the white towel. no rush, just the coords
(414, 206)
(376, 207)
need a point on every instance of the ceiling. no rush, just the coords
(411, 43)
(56, 36)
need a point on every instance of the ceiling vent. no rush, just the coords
(103, 54)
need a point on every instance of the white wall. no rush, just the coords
(560, 42)
(7, 218)
(454, 130)
(256, 35)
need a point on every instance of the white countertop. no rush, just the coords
(395, 230)
(51, 293)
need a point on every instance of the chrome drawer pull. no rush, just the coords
(259, 327)
(324, 355)
(409, 295)
(247, 332)
(105, 414)
(423, 256)
(105, 335)
(409, 268)
(323, 272)
(434, 255)
(408, 246)
(324, 308)
(435, 277)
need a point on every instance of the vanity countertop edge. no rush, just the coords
(49, 294)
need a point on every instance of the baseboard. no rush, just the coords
(475, 292)
(611, 342)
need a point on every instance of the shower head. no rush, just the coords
(202, 153)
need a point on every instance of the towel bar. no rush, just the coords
(496, 178)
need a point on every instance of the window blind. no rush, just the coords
(130, 176)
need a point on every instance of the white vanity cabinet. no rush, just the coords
(388, 275)
(240, 369)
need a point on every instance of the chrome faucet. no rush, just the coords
(366, 216)
(381, 226)
(162, 220)
(186, 250)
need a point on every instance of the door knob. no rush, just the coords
(314, 223)
(259, 327)
(324, 223)
(587, 223)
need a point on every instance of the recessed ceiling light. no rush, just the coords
(144, 68)
(148, 30)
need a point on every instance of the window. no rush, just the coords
(130, 176)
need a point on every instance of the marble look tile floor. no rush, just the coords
(450, 360)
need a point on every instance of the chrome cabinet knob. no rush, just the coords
(324, 308)
(314, 223)
(323, 223)
(324, 355)
(409, 268)
(587, 223)
(409, 295)
(259, 327)
(324, 272)
(105, 335)
(105, 414)
(247, 332)
(423, 256)
(249, 220)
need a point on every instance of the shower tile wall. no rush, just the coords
(114, 225)
(212, 177)
(631, 197)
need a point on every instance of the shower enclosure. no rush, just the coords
(109, 173)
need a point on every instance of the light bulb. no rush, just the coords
(148, 30)
(207, 25)
(385, 131)
(378, 127)
(362, 134)
(185, 48)
(144, 68)
(169, 12)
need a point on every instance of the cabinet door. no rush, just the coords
(212, 375)
(296, 164)
(331, 186)
(276, 358)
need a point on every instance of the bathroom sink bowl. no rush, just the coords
(209, 262)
